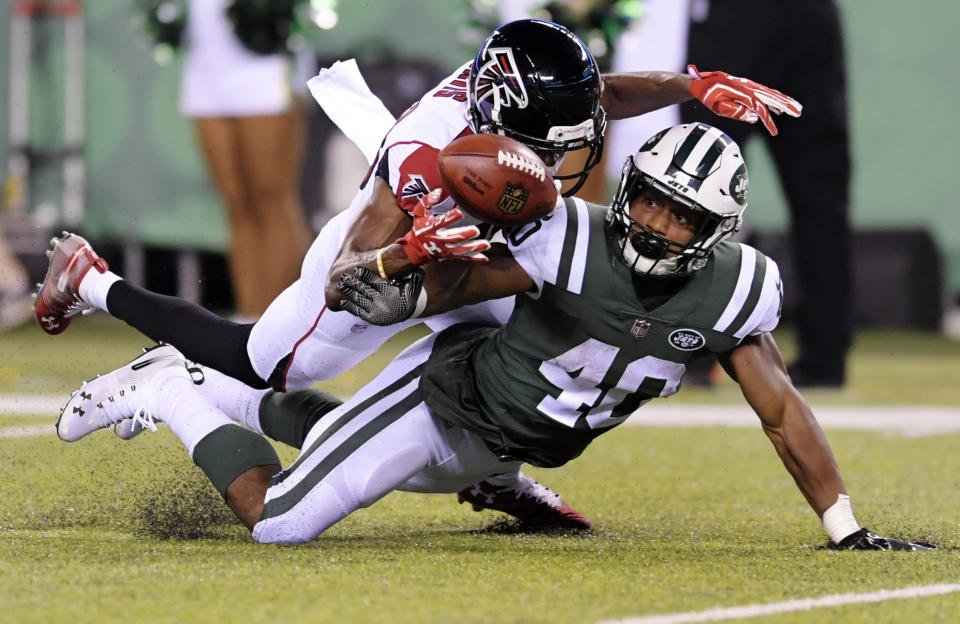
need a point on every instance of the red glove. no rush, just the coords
(740, 99)
(430, 240)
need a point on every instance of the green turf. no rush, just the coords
(102, 530)
(885, 368)
(685, 519)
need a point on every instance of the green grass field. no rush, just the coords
(686, 519)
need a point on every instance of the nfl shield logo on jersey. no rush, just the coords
(513, 199)
(640, 328)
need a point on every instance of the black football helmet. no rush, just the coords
(536, 82)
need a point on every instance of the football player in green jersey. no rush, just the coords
(612, 304)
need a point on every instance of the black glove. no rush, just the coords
(865, 540)
(380, 301)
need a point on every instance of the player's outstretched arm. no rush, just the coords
(800, 442)
(438, 288)
(451, 286)
(631, 94)
(428, 238)
(379, 223)
(786, 419)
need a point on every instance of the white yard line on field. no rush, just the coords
(26, 432)
(22, 404)
(804, 604)
(907, 421)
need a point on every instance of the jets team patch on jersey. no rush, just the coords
(686, 339)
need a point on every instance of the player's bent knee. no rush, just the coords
(358, 483)
(321, 508)
(392, 471)
(245, 495)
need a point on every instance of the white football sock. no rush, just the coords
(234, 398)
(189, 414)
(94, 286)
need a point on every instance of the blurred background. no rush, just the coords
(92, 140)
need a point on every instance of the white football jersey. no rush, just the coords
(407, 158)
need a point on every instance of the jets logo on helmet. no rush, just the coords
(500, 78)
(739, 184)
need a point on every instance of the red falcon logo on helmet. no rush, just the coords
(499, 77)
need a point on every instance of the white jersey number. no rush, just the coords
(578, 373)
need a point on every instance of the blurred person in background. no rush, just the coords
(15, 302)
(655, 39)
(797, 46)
(238, 88)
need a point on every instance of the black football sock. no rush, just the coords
(199, 334)
(288, 416)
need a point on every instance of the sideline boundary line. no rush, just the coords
(804, 604)
(908, 421)
(27, 431)
(25, 404)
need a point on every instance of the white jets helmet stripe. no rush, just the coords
(699, 155)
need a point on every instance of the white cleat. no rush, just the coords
(129, 428)
(121, 395)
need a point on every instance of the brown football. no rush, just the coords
(497, 179)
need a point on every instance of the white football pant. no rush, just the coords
(384, 438)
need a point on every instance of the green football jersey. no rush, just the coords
(581, 353)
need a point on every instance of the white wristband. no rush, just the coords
(838, 519)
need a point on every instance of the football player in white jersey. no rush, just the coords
(532, 80)
(633, 291)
